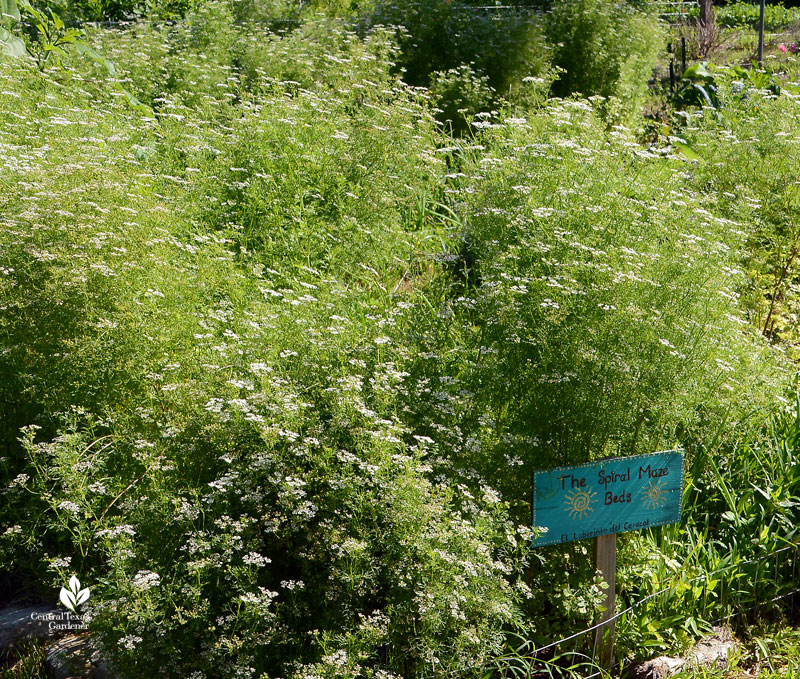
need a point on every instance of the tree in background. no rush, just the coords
(707, 27)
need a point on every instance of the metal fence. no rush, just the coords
(674, 11)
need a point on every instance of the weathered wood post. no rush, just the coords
(605, 559)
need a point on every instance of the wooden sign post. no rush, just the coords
(599, 500)
(605, 559)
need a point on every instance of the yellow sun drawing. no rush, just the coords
(653, 496)
(579, 503)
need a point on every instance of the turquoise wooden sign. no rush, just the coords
(608, 496)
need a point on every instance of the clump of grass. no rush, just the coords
(26, 661)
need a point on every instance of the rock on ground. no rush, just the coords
(74, 657)
(69, 656)
(17, 624)
(710, 652)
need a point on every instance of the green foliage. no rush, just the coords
(743, 14)
(100, 10)
(24, 661)
(736, 554)
(579, 300)
(700, 84)
(11, 44)
(325, 54)
(531, 93)
(9, 10)
(280, 15)
(698, 87)
(459, 93)
(278, 355)
(440, 35)
(221, 452)
(756, 182)
(741, 501)
(590, 309)
(608, 49)
(50, 37)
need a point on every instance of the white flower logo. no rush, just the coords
(73, 597)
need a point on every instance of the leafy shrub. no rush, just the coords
(100, 10)
(165, 10)
(276, 14)
(440, 35)
(700, 84)
(459, 93)
(698, 87)
(755, 182)
(219, 451)
(603, 311)
(604, 48)
(83, 11)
